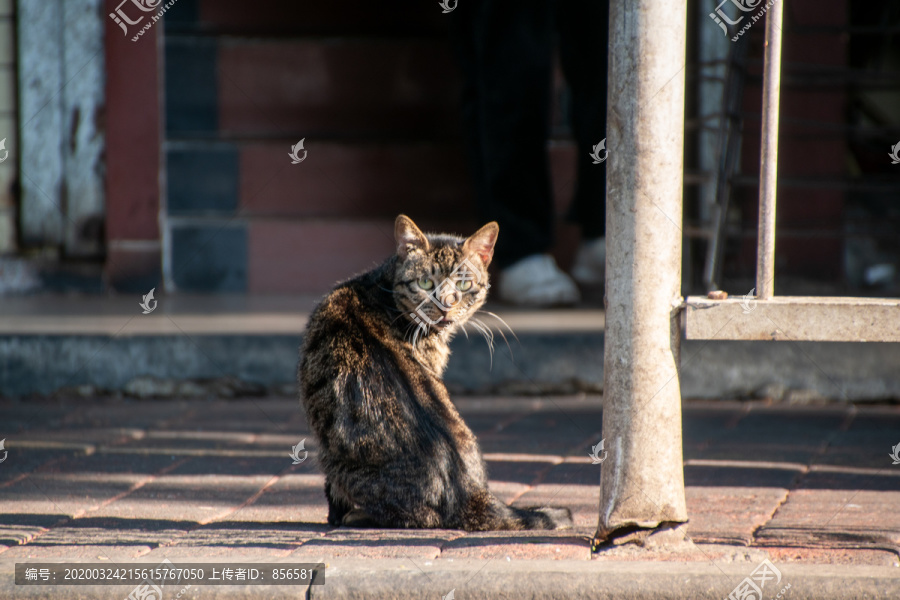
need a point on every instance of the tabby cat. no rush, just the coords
(394, 450)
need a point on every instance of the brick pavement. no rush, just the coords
(211, 480)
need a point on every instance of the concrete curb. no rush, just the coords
(538, 363)
(476, 579)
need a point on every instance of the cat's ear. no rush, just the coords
(482, 242)
(408, 237)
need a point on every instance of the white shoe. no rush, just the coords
(537, 281)
(590, 263)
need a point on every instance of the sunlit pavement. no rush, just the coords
(213, 481)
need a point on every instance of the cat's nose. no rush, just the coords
(451, 299)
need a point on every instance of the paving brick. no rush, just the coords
(189, 498)
(104, 462)
(730, 514)
(490, 422)
(823, 513)
(20, 416)
(75, 553)
(799, 427)
(702, 424)
(558, 421)
(761, 450)
(257, 415)
(518, 545)
(833, 556)
(741, 475)
(256, 540)
(851, 456)
(371, 543)
(128, 414)
(12, 534)
(516, 471)
(295, 499)
(234, 552)
(63, 493)
(282, 443)
(85, 440)
(233, 466)
(20, 462)
(581, 473)
(506, 491)
(105, 531)
(827, 478)
(552, 444)
(832, 504)
(582, 500)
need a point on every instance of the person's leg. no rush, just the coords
(504, 51)
(584, 40)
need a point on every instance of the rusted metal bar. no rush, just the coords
(642, 483)
(768, 161)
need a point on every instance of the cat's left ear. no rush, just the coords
(482, 243)
(408, 237)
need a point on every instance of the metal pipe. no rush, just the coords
(642, 479)
(768, 159)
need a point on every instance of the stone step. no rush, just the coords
(249, 345)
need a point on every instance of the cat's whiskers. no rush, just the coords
(500, 331)
(487, 334)
(505, 324)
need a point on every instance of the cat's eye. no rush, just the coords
(464, 285)
(425, 283)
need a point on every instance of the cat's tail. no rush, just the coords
(535, 517)
(484, 512)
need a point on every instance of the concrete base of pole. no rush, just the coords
(642, 482)
(671, 537)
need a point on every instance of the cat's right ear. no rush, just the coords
(408, 237)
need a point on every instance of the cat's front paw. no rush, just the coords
(358, 519)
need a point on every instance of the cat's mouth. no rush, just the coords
(443, 323)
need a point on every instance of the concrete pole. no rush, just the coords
(642, 482)
(768, 159)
